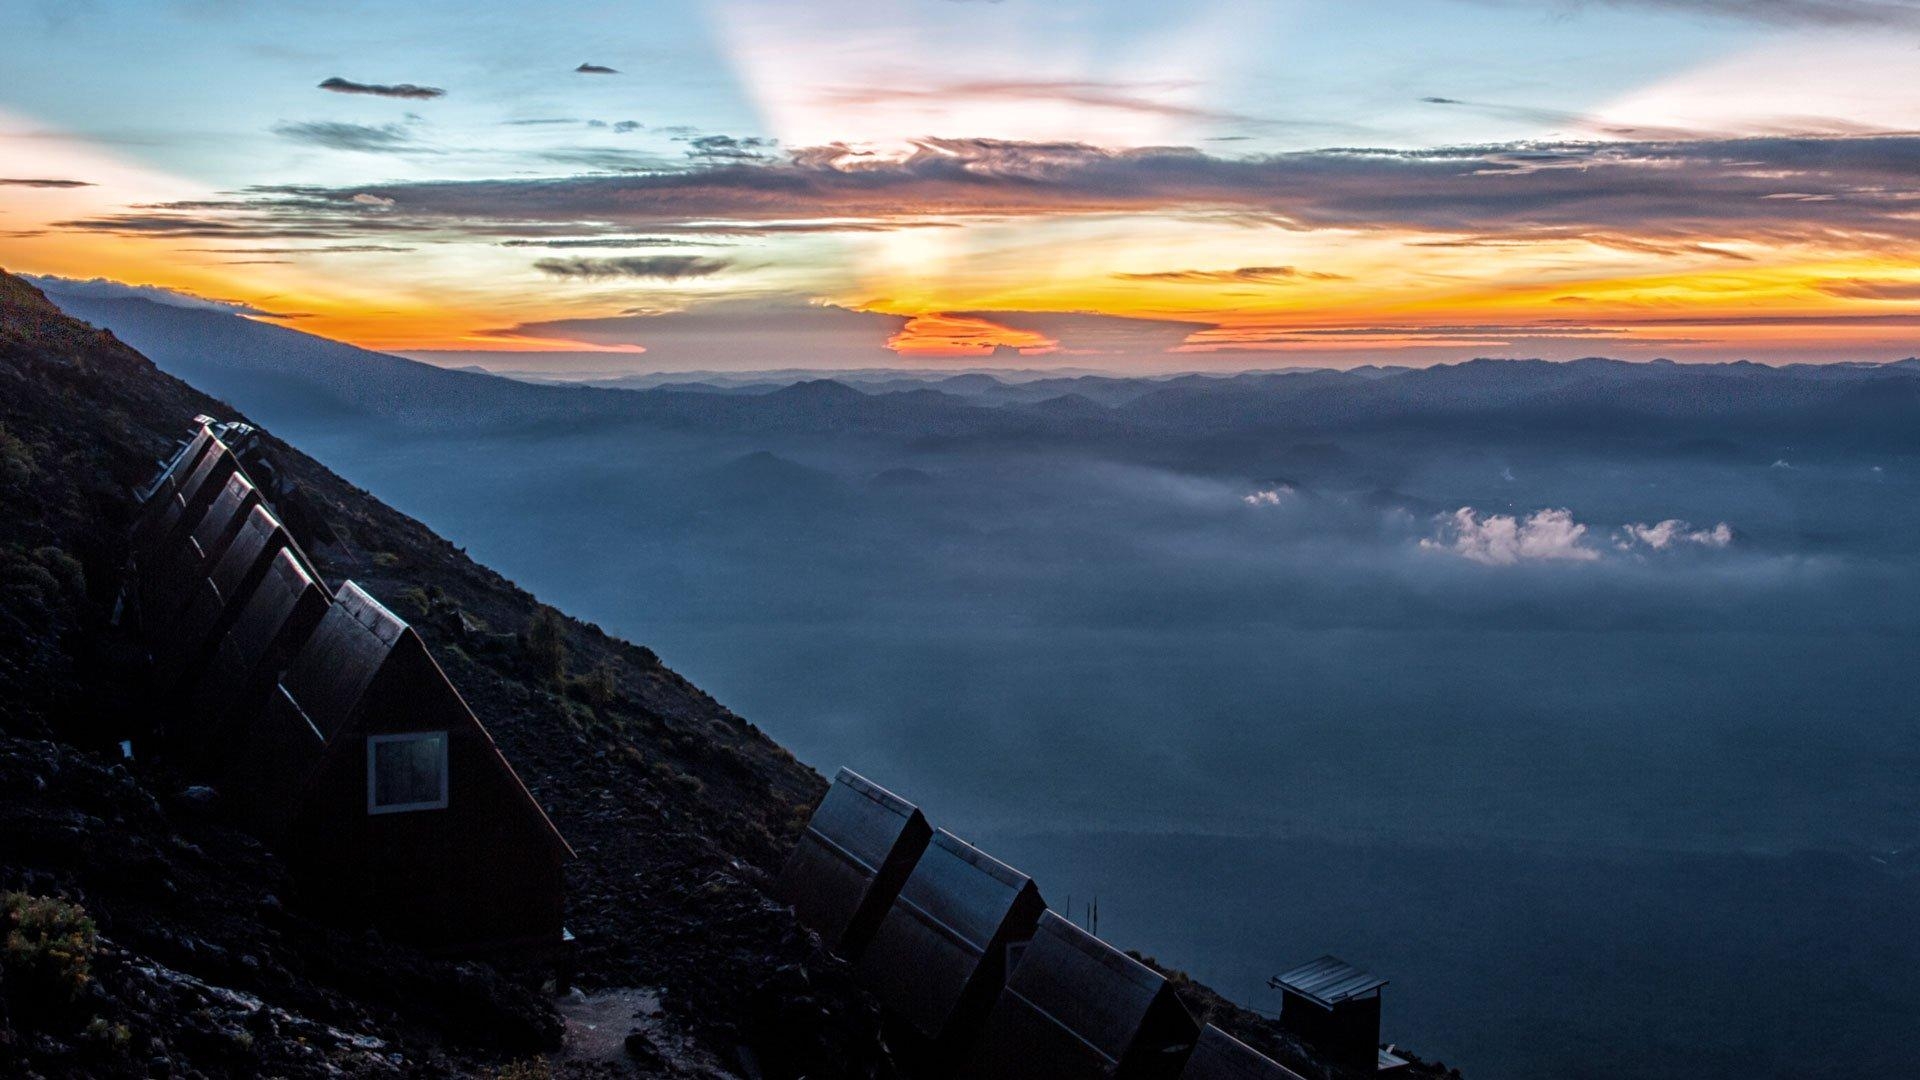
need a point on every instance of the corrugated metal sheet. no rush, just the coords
(159, 494)
(1076, 1007)
(167, 583)
(1329, 981)
(939, 955)
(260, 535)
(340, 660)
(185, 642)
(1220, 1056)
(282, 610)
(849, 865)
(189, 502)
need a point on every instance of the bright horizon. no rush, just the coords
(1124, 187)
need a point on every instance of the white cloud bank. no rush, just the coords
(1550, 535)
(1272, 496)
(1672, 533)
(1504, 539)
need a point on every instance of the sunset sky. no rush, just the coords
(1117, 185)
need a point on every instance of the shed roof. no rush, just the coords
(1329, 981)
(1220, 1056)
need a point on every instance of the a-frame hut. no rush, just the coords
(941, 954)
(1076, 1008)
(849, 865)
(405, 814)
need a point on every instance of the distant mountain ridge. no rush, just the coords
(289, 377)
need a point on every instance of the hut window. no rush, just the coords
(406, 772)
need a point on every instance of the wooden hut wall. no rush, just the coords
(1349, 1032)
(1076, 1008)
(484, 866)
(940, 955)
(849, 865)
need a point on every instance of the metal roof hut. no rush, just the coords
(940, 955)
(1335, 1006)
(1220, 1056)
(274, 621)
(191, 483)
(392, 802)
(157, 498)
(1075, 1007)
(167, 581)
(849, 865)
(184, 642)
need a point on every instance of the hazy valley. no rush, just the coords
(1575, 698)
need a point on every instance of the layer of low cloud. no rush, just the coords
(1553, 535)
(1506, 539)
(731, 334)
(41, 182)
(106, 289)
(1673, 533)
(1663, 194)
(1240, 275)
(657, 267)
(339, 135)
(1785, 12)
(595, 69)
(407, 91)
(1872, 289)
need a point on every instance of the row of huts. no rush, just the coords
(326, 726)
(981, 980)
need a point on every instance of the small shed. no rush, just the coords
(1076, 1008)
(941, 954)
(1335, 1007)
(1220, 1056)
(849, 865)
(399, 809)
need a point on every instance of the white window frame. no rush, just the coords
(373, 744)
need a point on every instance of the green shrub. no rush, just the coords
(16, 460)
(596, 687)
(545, 644)
(113, 1037)
(63, 566)
(49, 942)
(415, 600)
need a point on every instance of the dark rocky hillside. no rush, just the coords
(148, 938)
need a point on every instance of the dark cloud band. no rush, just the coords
(395, 90)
